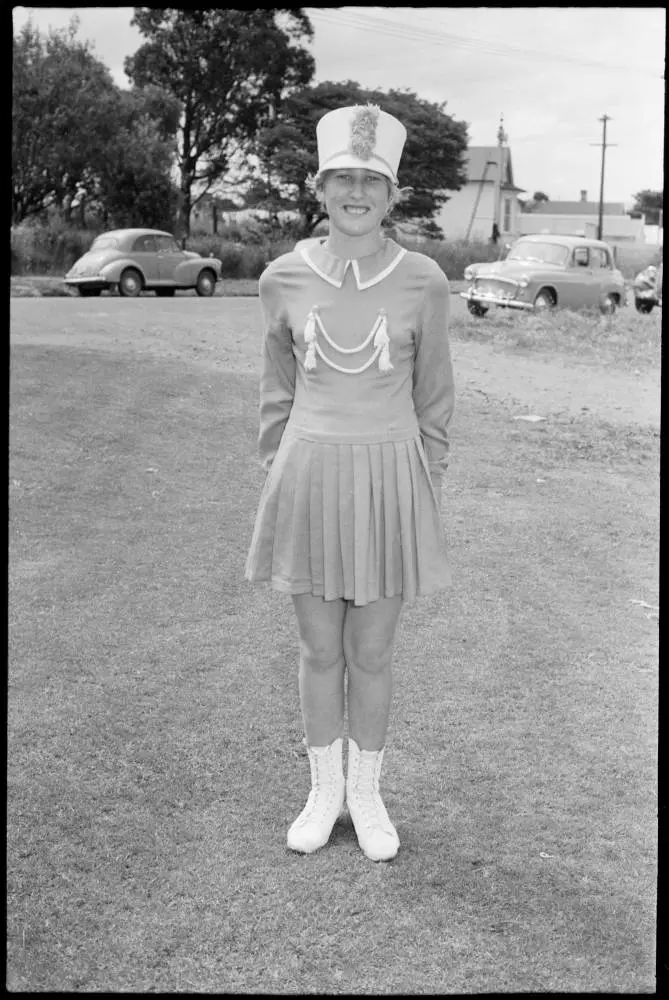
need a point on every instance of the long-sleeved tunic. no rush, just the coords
(356, 395)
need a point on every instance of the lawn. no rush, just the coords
(154, 735)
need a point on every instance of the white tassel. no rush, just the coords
(382, 341)
(310, 337)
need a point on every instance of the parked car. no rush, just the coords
(136, 260)
(546, 272)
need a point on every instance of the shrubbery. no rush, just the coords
(52, 247)
(453, 256)
(48, 247)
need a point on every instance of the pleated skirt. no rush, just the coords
(352, 521)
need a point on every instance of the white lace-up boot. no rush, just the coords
(376, 834)
(313, 826)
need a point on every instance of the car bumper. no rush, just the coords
(494, 300)
(95, 281)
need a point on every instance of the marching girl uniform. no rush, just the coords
(356, 393)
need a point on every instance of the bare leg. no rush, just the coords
(322, 667)
(321, 678)
(369, 633)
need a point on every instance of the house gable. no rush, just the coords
(477, 157)
(470, 212)
(480, 156)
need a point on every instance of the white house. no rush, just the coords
(490, 195)
(581, 218)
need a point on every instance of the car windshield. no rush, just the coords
(542, 253)
(105, 243)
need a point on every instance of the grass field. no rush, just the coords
(154, 736)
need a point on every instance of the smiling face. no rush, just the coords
(356, 200)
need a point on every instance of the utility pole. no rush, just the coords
(600, 225)
(501, 139)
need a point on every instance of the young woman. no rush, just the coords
(356, 393)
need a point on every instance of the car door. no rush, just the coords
(602, 271)
(581, 286)
(144, 252)
(169, 257)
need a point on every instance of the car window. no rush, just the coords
(599, 257)
(104, 243)
(541, 253)
(581, 257)
(144, 244)
(167, 243)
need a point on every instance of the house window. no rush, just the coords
(506, 228)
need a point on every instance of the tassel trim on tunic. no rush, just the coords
(378, 334)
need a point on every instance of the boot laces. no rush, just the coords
(322, 797)
(368, 798)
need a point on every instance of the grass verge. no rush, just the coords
(154, 737)
(626, 338)
(33, 286)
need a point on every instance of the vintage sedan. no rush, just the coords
(137, 260)
(545, 272)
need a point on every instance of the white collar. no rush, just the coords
(368, 271)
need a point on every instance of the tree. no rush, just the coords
(648, 204)
(432, 162)
(531, 203)
(229, 69)
(58, 123)
(134, 186)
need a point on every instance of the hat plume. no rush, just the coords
(363, 131)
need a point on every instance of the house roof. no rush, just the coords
(578, 208)
(479, 156)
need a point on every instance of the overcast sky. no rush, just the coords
(551, 71)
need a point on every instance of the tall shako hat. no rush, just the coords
(361, 136)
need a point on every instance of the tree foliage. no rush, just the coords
(649, 204)
(529, 205)
(432, 162)
(229, 70)
(77, 138)
(134, 186)
(59, 98)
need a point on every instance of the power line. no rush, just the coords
(405, 31)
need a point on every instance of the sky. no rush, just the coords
(552, 72)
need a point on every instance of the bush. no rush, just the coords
(47, 247)
(453, 256)
(51, 248)
(239, 260)
(631, 259)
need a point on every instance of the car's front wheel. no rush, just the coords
(206, 283)
(643, 305)
(165, 293)
(130, 283)
(476, 309)
(89, 293)
(544, 301)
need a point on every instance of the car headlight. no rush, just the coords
(523, 281)
(469, 273)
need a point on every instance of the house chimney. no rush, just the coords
(584, 195)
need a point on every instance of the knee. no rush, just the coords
(318, 657)
(368, 656)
